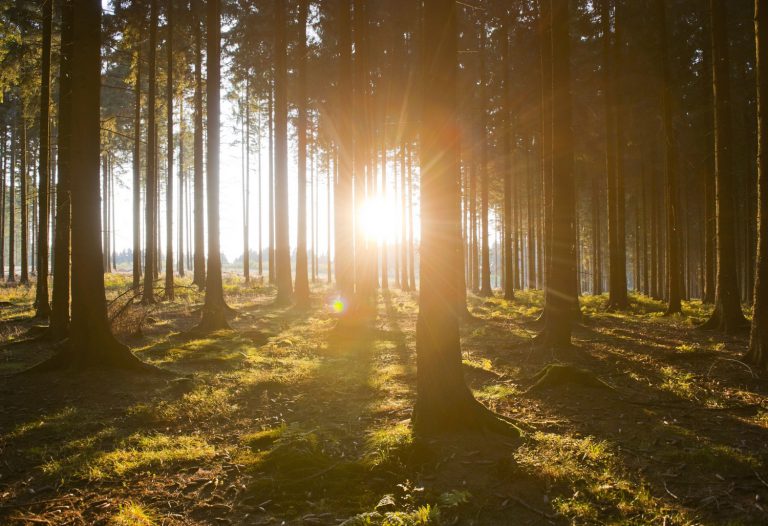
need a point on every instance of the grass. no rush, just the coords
(280, 420)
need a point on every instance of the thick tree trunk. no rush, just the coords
(727, 316)
(169, 292)
(443, 402)
(150, 208)
(302, 280)
(758, 341)
(404, 280)
(59, 325)
(90, 338)
(674, 305)
(199, 177)
(343, 206)
(560, 297)
(282, 228)
(42, 307)
(271, 250)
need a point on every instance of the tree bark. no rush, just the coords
(485, 267)
(727, 316)
(560, 298)
(758, 341)
(509, 285)
(136, 174)
(443, 400)
(23, 213)
(199, 177)
(42, 307)
(282, 228)
(301, 293)
(150, 208)
(169, 292)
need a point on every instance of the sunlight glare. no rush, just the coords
(379, 219)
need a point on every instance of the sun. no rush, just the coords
(379, 219)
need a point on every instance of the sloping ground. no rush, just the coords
(284, 421)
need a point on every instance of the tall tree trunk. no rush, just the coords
(150, 208)
(169, 292)
(42, 307)
(282, 242)
(302, 280)
(485, 267)
(137, 174)
(343, 206)
(597, 203)
(545, 51)
(727, 316)
(443, 401)
(12, 210)
(411, 246)
(90, 338)
(670, 155)
(271, 252)
(3, 159)
(214, 307)
(560, 298)
(199, 212)
(247, 184)
(23, 213)
(59, 325)
(617, 282)
(105, 212)
(758, 341)
(509, 285)
(182, 188)
(329, 229)
(404, 281)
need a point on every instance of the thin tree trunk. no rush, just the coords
(282, 229)
(302, 281)
(670, 155)
(270, 109)
(150, 260)
(182, 189)
(509, 288)
(485, 267)
(199, 278)
(42, 307)
(169, 292)
(23, 213)
(12, 211)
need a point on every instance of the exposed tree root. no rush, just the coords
(736, 324)
(555, 375)
(465, 416)
(113, 356)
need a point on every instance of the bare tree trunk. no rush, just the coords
(301, 293)
(270, 109)
(199, 278)
(137, 174)
(214, 307)
(42, 307)
(282, 229)
(24, 272)
(670, 154)
(12, 211)
(182, 190)
(169, 292)
(247, 184)
(560, 297)
(758, 341)
(485, 268)
(150, 260)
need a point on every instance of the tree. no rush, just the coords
(758, 340)
(42, 307)
(509, 279)
(617, 281)
(90, 342)
(302, 281)
(169, 293)
(560, 299)
(282, 242)
(60, 295)
(214, 307)
(199, 212)
(443, 400)
(485, 277)
(150, 205)
(23, 183)
(137, 173)
(727, 316)
(674, 305)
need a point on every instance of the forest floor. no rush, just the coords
(284, 421)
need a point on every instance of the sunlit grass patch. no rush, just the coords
(385, 443)
(494, 392)
(143, 452)
(133, 514)
(679, 383)
(561, 457)
(476, 362)
(59, 422)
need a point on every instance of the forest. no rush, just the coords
(383, 262)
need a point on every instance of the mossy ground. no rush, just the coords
(284, 421)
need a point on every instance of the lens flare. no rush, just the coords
(338, 306)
